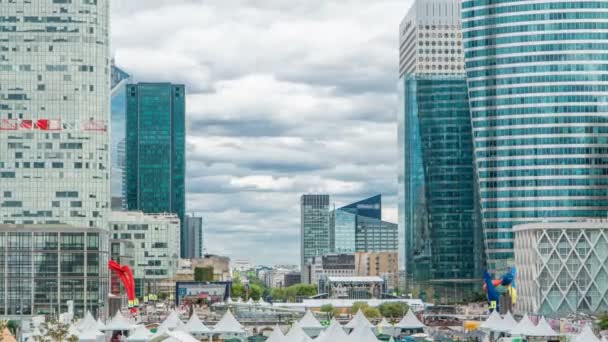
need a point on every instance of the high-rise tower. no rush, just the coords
(538, 91)
(314, 229)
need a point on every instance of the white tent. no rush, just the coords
(119, 323)
(250, 302)
(586, 335)
(174, 336)
(172, 322)
(262, 302)
(384, 327)
(410, 321)
(359, 321)
(309, 321)
(544, 329)
(334, 333)
(100, 325)
(276, 335)
(508, 323)
(228, 325)
(525, 327)
(139, 334)
(91, 336)
(296, 334)
(87, 322)
(195, 326)
(493, 321)
(362, 334)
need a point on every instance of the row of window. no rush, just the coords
(525, 18)
(551, 47)
(539, 151)
(544, 172)
(551, 120)
(583, 58)
(490, 194)
(543, 162)
(543, 213)
(545, 203)
(535, 131)
(539, 38)
(599, 182)
(540, 27)
(528, 7)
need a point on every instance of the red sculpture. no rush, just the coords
(126, 277)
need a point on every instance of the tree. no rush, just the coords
(55, 331)
(430, 294)
(603, 321)
(328, 308)
(255, 291)
(371, 312)
(358, 306)
(203, 274)
(300, 290)
(393, 310)
(237, 291)
(279, 295)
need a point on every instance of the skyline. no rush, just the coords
(259, 129)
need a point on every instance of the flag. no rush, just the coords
(26, 124)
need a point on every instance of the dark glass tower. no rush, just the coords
(155, 150)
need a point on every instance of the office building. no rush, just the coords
(538, 100)
(194, 237)
(54, 169)
(437, 203)
(328, 265)
(155, 147)
(314, 228)
(292, 278)
(384, 265)
(118, 82)
(220, 265)
(561, 267)
(155, 239)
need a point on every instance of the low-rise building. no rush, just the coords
(562, 267)
(156, 244)
(292, 278)
(220, 265)
(382, 264)
(352, 287)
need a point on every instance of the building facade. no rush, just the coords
(438, 208)
(54, 143)
(194, 237)
(44, 266)
(339, 265)
(292, 278)
(155, 239)
(220, 265)
(537, 92)
(118, 83)
(561, 267)
(155, 144)
(314, 229)
(383, 264)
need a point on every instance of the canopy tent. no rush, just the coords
(172, 322)
(139, 334)
(91, 336)
(359, 321)
(508, 323)
(410, 321)
(309, 321)
(195, 326)
(228, 325)
(334, 333)
(174, 336)
(525, 327)
(87, 322)
(586, 335)
(493, 322)
(262, 302)
(362, 334)
(276, 335)
(384, 327)
(296, 334)
(100, 325)
(544, 329)
(119, 323)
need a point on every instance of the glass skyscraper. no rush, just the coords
(437, 202)
(314, 229)
(54, 148)
(155, 147)
(538, 92)
(119, 80)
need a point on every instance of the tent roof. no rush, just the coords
(195, 325)
(100, 325)
(492, 322)
(309, 321)
(87, 322)
(296, 334)
(119, 322)
(173, 321)
(362, 334)
(545, 329)
(139, 334)
(359, 321)
(384, 323)
(276, 335)
(586, 335)
(525, 327)
(335, 332)
(410, 321)
(508, 323)
(228, 324)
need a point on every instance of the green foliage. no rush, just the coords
(203, 274)
(55, 331)
(603, 321)
(371, 313)
(255, 291)
(278, 295)
(13, 327)
(358, 306)
(393, 310)
(290, 294)
(238, 291)
(328, 308)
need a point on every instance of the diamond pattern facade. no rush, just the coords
(562, 267)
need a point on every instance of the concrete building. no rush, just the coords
(339, 265)
(314, 229)
(562, 267)
(292, 278)
(194, 237)
(438, 206)
(54, 148)
(538, 102)
(384, 265)
(155, 144)
(156, 245)
(220, 265)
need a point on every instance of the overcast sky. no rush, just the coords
(285, 97)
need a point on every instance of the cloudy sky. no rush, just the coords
(285, 97)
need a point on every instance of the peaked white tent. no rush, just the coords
(100, 325)
(525, 327)
(139, 334)
(334, 333)
(296, 334)
(384, 327)
(172, 322)
(410, 321)
(119, 323)
(586, 335)
(228, 326)
(250, 301)
(544, 329)
(359, 321)
(195, 326)
(87, 322)
(276, 335)
(309, 321)
(362, 334)
(508, 323)
(493, 322)
(174, 336)
(91, 336)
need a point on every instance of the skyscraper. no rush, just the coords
(538, 93)
(437, 203)
(156, 150)
(314, 228)
(194, 234)
(119, 81)
(54, 148)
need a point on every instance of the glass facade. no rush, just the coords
(155, 148)
(537, 82)
(344, 225)
(54, 112)
(44, 267)
(314, 229)
(194, 232)
(119, 81)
